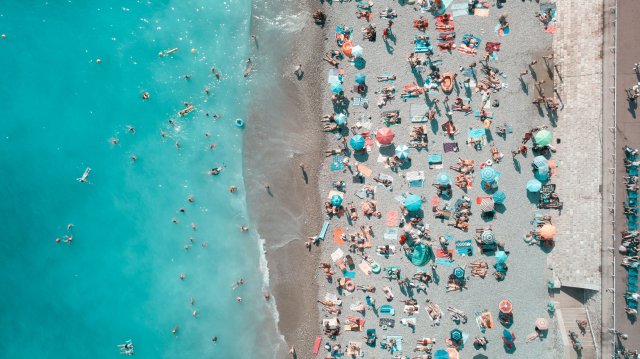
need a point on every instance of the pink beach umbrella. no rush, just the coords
(385, 136)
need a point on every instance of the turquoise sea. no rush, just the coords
(119, 278)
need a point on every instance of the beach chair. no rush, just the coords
(435, 160)
(418, 112)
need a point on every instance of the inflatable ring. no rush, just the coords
(239, 123)
(375, 268)
(527, 239)
(350, 286)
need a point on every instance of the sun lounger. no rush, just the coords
(323, 231)
(387, 309)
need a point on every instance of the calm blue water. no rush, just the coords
(119, 279)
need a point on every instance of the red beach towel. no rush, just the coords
(392, 219)
(337, 236)
(441, 253)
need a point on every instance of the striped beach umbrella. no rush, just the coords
(402, 151)
(458, 273)
(357, 142)
(542, 137)
(413, 203)
(542, 324)
(487, 237)
(499, 197)
(341, 119)
(488, 174)
(444, 178)
(336, 200)
(534, 185)
(487, 204)
(360, 78)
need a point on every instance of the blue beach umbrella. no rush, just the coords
(360, 78)
(413, 203)
(402, 151)
(357, 142)
(441, 354)
(458, 272)
(444, 178)
(534, 185)
(488, 174)
(357, 51)
(501, 256)
(336, 200)
(541, 163)
(336, 87)
(499, 197)
(341, 119)
(456, 335)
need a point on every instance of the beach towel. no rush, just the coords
(337, 254)
(392, 219)
(387, 322)
(391, 234)
(337, 236)
(365, 268)
(441, 253)
(336, 163)
(464, 247)
(476, 133)
(450, 147)
(481, 12)
(359, 101)
(435, 160)
(444, 262)
(366, 171)
(349, 274)
(415, 178)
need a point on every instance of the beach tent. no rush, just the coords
(505, 306)
(421, 255)
(534, 185)
(402, 151)
(341, 119)
(357, 142)
(542, 138)
(455, 335)
(444, 178)
(336, 87)
(360, 78)
(499, 197)
(384, 136)
(357, 51)
(441, 354)
(501, 256)
(413, 203)
(458, 272)
(488, 174)
(336, 200)
(548, 231)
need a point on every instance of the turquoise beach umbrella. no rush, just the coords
(534, 185)
(336, 200)
(501, 256)
(541, 163)
(336, 87)
(360, 78)
(357, 51)
(499, 197)
(542, 176)
(444, 178)
(402, 151)
(441, 354)
(456, 335)
(488, 174)
(542, 137)
(413, 203)
(341, 119)
(357, 142)
(458, 273)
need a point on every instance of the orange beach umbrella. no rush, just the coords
(505, 306)
(548, 231)
(346, 48)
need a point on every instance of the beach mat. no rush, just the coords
(392, 219)
(366, 171)
(440, 253)
(336, 163)
(450, 147)
(444, 262)
(337, 236)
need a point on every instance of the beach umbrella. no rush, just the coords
(542, 176)
(501, 256)
(534, 185)
(487, 204)
(413, 203)
(542, 137)
(499, 197)
(336, 87)
(347, 47)
(488, 174)
(384, 136)
(341, 119)
(336, 200)
(444, 178)
(360, 78)
(357, 51)
(508, 336)
(505, 306)
(456, 335)
(487, 237)
(540, 162)
(458, 273)
(357, 142)
(441, 354)
(542, 324)
(402, 151)
(548, 231)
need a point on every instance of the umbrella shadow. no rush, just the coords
(500, 208)
(388, 47)
(434, 126)
(360, 63)
(488, 135)
(534, 197)
(516, 165)
(417, 74)
(405, 164)
(388, 150)
(510, 349)
(361, 156)
(633, 105)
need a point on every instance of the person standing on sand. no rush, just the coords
(298, 71)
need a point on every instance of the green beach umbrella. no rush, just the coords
(360, 78)
(336, 87)
(542, 137)
(402, 151)
(357, 142)
(413, 203)
(534, 185)
(336, 200)
(499, 197)
(458, 273)
(456, 335)
(341, 119)
(488, 174)
(501, 256)
(444, 178)
(421, 255)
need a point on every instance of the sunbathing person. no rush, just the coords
(352, 212)
(387, 183)
(630, 151)
(363, 14)
(330, 60)
(495, 154)
(459, 105)
(629, 163)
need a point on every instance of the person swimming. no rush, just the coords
(85, 175)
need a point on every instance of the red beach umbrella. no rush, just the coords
(384, 136)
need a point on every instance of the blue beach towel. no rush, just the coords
(337, 164)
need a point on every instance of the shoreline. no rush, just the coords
(287, 212)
